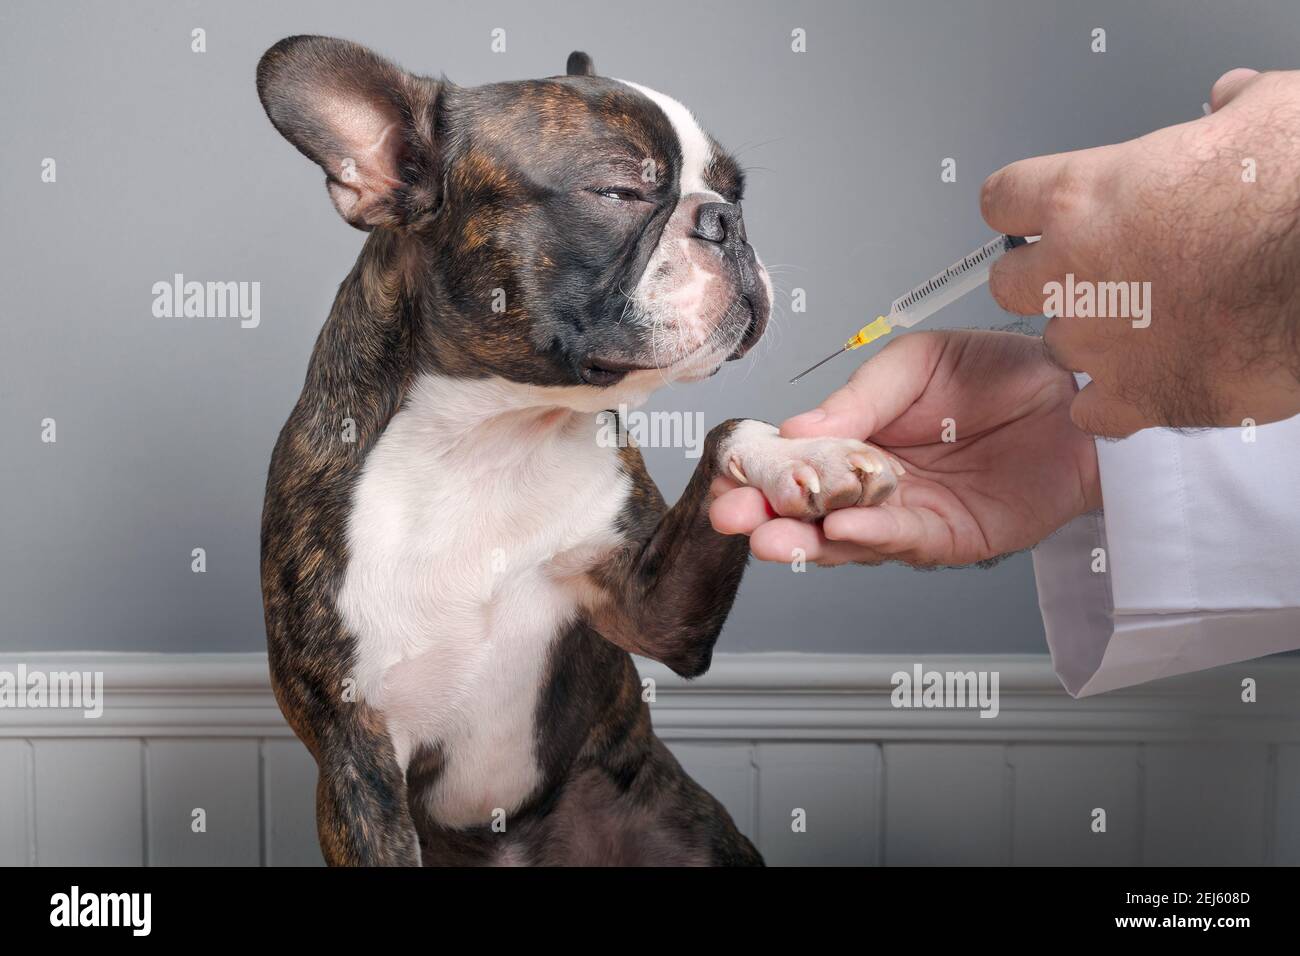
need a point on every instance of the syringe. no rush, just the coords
(967, 273)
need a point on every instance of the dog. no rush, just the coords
(455, 571)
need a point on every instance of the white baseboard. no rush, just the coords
(779, 696)
(1186, 771)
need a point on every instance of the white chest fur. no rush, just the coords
(473, 515)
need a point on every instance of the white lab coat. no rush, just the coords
(1201, 541)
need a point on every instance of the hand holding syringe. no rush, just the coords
(1026, 463)
(951, 284)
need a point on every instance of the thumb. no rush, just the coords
(1098, 413)
(1227, 87)
(880, 390)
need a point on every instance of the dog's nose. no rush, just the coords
(720, 222)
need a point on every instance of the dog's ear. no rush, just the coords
(369, 124)
(579, 64)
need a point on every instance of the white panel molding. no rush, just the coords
(775, 737)
(777, 697)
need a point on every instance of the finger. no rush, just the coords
(1014, 200)
(1061, 347)
(786, 540)
(1081, 345)
(916, 535)
(740, 511)
(1016, 280)
(1098, 413)
(720, 485)
(880, 390)
(1229, 86)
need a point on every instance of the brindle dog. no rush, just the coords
(455, 567)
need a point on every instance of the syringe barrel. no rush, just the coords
(961, 277)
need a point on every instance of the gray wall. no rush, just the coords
(166, 164)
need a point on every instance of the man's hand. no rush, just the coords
(980, 422)
(1207, 213)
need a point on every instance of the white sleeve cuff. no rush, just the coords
(1201, 542)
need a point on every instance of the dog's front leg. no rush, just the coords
(362, 814)
(666, 595)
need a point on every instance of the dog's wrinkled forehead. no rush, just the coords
(566, 127)
(697, 149)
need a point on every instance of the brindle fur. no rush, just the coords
(610, 792)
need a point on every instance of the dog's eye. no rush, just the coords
(617, 194)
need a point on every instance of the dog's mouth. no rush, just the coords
(602, 372)
(753, 329)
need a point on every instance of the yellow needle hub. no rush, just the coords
(869, 333)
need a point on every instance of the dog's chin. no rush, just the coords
(705, 362)
(699, 365)
(708, 371)
(741, 332)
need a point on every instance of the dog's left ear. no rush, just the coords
(579, 65)
(369, 124)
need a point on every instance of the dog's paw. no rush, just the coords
(807, 477)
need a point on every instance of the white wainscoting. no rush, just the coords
(1186, 771)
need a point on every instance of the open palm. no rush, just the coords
(980, 422)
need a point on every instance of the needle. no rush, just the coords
(868, 333)
(814, 368)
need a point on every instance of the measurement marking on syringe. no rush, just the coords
(952, 273)
(958, 279)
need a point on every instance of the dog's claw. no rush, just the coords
(864, 464)
(805, 476)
